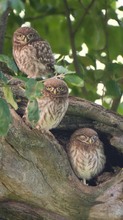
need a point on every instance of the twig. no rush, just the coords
(106, 32)
(72, 39)
(115, 103)
(83, 16)
(42, 16)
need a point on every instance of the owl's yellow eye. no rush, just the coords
(60, 89)
(94, 138)
(82, 137)
(49, 88)
(30, 36)
(85, 139)
(20, 36)
(52, 90)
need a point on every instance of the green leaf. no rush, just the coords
(120, 108)
(121, 8)
(30, 88)
(86, 61)
(3, 6)
(98, 74)
(33, 111)
(9, 62)
(113, 88)
(18, 5)
(33, 88)
(23, 78)
(115, 37)
(38, 89)
(9, 96)
(61, 69)
(94, 35)
(107, 103)
(74, 80)
(3, 78)
(5, 117)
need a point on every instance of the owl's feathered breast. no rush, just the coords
(52, 111)
(48, 103)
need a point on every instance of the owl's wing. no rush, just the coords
(44, 54)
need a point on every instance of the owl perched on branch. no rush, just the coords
(52, 105)
(86, 153)
(32, 54)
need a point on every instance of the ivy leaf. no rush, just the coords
(9, 96)
(9, 62)
(5, 117)
(74, 80)
(33, 111)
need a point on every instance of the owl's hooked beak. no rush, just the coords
(25, 39)
(93, 139)
(54, 91)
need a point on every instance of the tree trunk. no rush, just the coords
(37, 181)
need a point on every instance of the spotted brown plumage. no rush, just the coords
(32, 54)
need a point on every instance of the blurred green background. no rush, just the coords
(86, 37)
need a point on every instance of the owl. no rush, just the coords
(32, 54)
(86, 154)
(52, 105)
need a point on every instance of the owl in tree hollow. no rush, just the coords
(86, 153)
(32, 54)
(52, 105)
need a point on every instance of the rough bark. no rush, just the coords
(36, 179)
